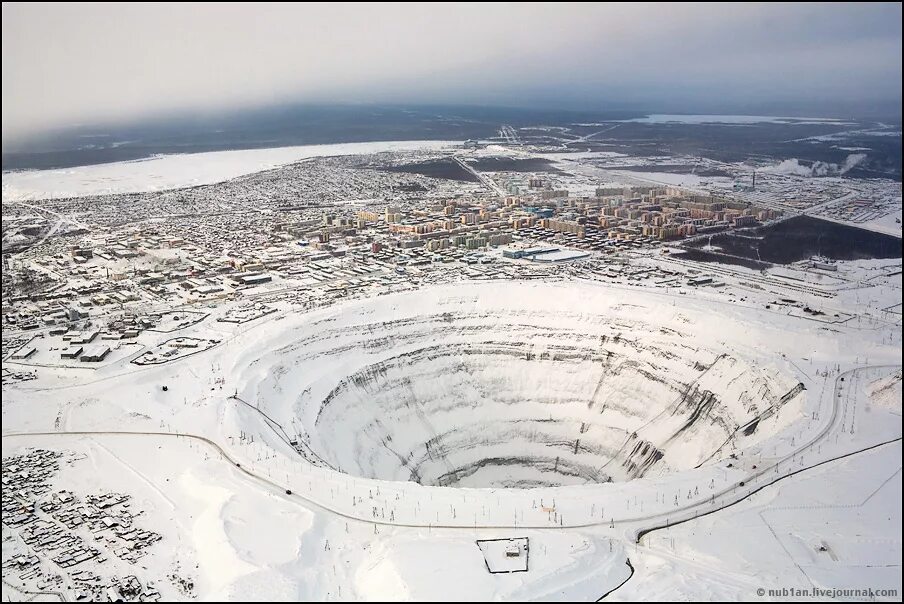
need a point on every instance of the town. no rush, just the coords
(102, 286)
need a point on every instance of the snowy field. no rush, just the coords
(889, 224)
(181, 170)
(663, 118)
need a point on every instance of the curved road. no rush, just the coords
(637, 526)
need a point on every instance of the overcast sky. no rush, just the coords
(70, 64)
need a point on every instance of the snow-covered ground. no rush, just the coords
(889, 224)
(523, 386)
(504, 367)
(690, 181)
(662, 118)
(361, 451)
(179, 170)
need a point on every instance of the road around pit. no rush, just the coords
(635, 527)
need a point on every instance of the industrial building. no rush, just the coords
(71, 352)
(94, 354)
(23, 353)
